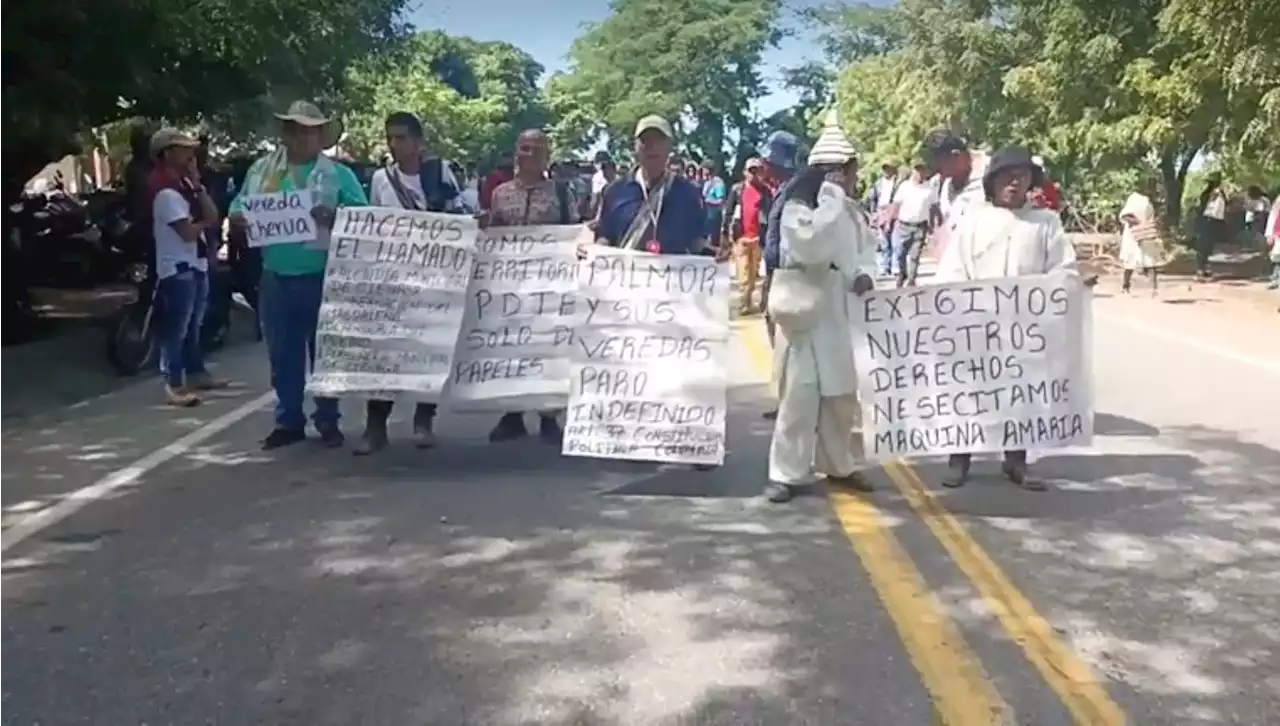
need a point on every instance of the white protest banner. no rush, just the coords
(394, 291)
(513, 353)
(988, 365)
(278, 218)
(647, 375)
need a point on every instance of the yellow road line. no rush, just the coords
(1069, 677)
(962, 693)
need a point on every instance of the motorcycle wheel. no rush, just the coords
(132, 346)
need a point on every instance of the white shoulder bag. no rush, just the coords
(795, 292)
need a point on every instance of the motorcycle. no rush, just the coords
(59, 245)
(134, 343)
(108, 210)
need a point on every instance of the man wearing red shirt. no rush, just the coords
(754, 210)
(1048, 196)
(501, 175)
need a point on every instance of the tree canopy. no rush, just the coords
(696, 62)
(71, 65)
(1105, 91)
(473, 97)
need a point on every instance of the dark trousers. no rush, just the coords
(908, 243)
(764, 304)
(289, 306)
(1126, 283)
(1016, 457)
(377, 412)
(1212, 232)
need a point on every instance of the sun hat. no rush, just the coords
(782, 150)
(654, 122)
(168, 137)
(832, 146)
(305, 113)
(1010, 158)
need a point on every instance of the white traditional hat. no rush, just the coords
(306, 113)
(832, 146)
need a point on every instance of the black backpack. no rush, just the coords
(437, 192)
(562, 196)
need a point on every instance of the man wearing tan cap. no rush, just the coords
(181, 211)
(293, 273)
(655, 210)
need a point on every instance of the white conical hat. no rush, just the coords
(832, 146)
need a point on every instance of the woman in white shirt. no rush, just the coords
(1140, 244)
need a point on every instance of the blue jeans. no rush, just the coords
(908, 243)
(182, 298)
(885, 262)
(289, 306)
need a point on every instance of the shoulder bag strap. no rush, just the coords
(635, 231)
(406, 199)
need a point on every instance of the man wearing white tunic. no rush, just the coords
(1140, 246)
(827, 248)
(1005, 237)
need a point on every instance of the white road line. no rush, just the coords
(80, 498)
(1270, 366)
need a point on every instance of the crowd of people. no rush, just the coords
(801, 232)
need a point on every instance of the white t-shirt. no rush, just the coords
(383, 194)
(598, 182)
(169, 207)
(955, 204)
(915, 199)
(884, 190)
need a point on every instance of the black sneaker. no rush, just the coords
(331, 437)
(372, 441)
(280, 437)
(509, 428)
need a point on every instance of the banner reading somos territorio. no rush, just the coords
(988, 365)
(517, 333)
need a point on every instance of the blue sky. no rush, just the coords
(545, 30)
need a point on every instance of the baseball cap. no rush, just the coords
(167, 137)
(754, 162)
(657, 123)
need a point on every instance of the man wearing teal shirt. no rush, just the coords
(293, 274)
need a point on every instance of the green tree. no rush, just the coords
(474, 97)
(696, 62)
(72, 65)
(1106, 91)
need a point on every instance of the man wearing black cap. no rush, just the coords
(781, 162)
(961, 171)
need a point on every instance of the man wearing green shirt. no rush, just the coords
(293, 273)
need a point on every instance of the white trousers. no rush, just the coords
(813, 435)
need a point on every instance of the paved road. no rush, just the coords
(159, 569)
